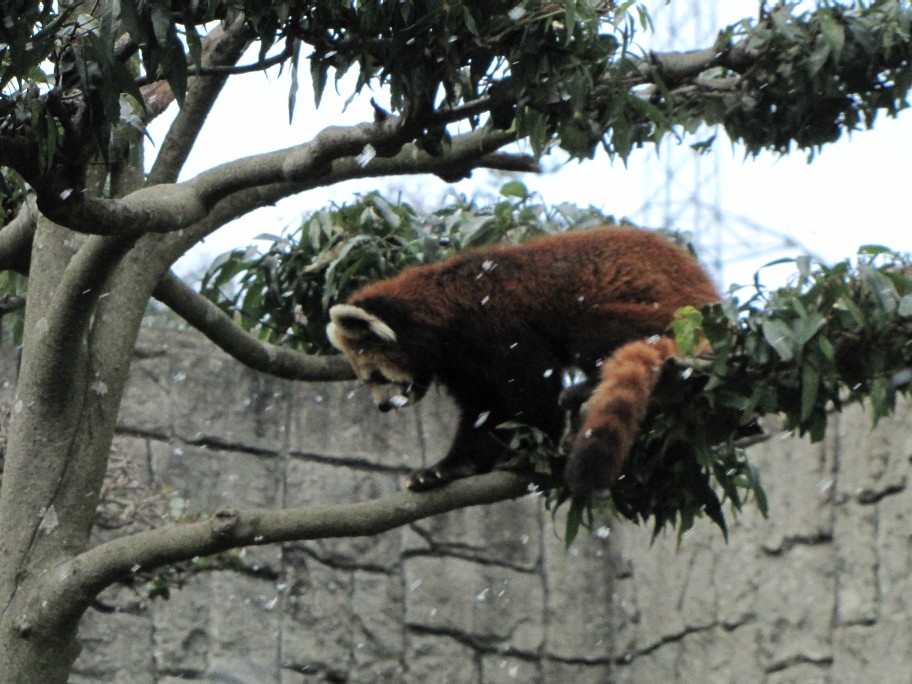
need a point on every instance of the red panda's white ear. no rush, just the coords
(349, 322)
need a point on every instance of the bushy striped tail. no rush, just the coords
(614, 413)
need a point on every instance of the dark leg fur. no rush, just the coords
(520, 386)
(483, 448)
(474, 451)
(573, 397)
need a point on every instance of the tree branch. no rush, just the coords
(231, 70)
(16, 238)
(472, 150)
(167, 208)
(181, 203)
(675, 68)
(71, 587)
(215, 324)
(80, 287)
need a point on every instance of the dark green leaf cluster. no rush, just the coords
(28, 36)
(12, 194)
(817, 74)
(284, 291)
(536, 62)
(836, 334)
(568, 73)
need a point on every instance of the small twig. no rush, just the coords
(10, 302)
(226, 70)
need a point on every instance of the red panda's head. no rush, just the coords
(373, 350)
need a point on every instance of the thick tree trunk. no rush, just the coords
(86, 299)
(36, 532)
(74, 368)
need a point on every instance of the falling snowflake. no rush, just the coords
(517, 13)
(367, 154)
(49, 521)
(398, 400)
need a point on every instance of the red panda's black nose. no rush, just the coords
(384, 406)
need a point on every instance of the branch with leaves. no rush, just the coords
(464, 80)
(275, 360)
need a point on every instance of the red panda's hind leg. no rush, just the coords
(614, 412)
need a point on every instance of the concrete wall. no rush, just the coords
(820, 592)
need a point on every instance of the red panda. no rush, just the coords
(497, 326)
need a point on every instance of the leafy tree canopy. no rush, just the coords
(572, 73)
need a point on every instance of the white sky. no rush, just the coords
(853, 193)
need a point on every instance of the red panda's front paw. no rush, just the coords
(427, 478)
(447, 470)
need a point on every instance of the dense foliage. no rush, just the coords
(819, 74)
(835, 335)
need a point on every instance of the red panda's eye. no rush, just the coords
(378, 378)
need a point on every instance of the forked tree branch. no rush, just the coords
(215, 324)
(168, 208)
(223, 46)
(72, 586)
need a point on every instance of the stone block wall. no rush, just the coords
(820, 592)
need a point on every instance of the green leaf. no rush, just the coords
(757, 488)
(319, 69)
(780, 337)
(194, 46)
(905, 306)
(810, 386)
(574, 520)
(882, 398)
(833, 32)
(516, 189)
(874, 250)
(882, 287)
(469, 21)
(687, 327)
(293, 87)
(807, 326)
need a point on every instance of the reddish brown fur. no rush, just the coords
(616, 408)
(554, 272)
(490, 323)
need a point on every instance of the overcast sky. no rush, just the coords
(853, 193)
